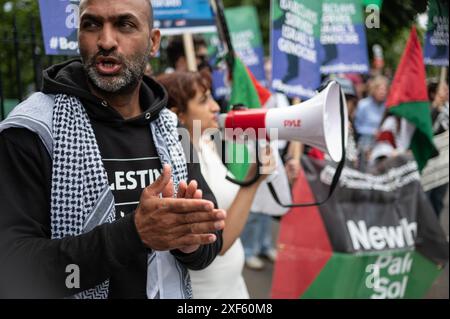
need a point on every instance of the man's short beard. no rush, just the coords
(130, 75)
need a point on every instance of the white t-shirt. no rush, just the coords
(223, 278)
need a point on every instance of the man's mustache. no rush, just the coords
(104, 53)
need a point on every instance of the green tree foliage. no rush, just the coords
(25, 13)
(396, 20)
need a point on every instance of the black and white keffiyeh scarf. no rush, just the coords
(80, 194)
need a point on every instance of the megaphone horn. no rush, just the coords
(315, 122)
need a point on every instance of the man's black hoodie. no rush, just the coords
(31, 264)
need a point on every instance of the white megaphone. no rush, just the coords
(315, 122)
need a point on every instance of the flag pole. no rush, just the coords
(443, 76)
(223, 31)
(189, 51)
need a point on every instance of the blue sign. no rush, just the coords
(343, 37)
(181, 16)
(436, 39)
(59, 19)
(296, 48)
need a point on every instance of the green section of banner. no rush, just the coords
(277, 13)
(307, 14)
(385, 275)
(242, 26)
(313, 14)
(437, 14)
(343, 12)
(375, 2)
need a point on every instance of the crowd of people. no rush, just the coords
(175, 228)
(365, 99)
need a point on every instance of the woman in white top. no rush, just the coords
(190, 98)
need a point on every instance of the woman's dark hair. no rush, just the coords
(175, 48)
(182, 87)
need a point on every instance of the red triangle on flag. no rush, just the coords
(409, 84)
(263, 93)
(304, 247)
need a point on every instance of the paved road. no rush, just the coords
(259, 282)
(439, 290)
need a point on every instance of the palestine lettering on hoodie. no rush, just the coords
(131, 162)
(128, 175)
(126, 146)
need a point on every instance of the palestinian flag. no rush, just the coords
(245, 90)
(408, 99)
(377, 237)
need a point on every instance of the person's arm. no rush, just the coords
(237, 215)
(293, 156)
(441, 97)
(239, 210)
(205, 255)
(32, 265)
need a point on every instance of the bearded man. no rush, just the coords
(97, 199)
